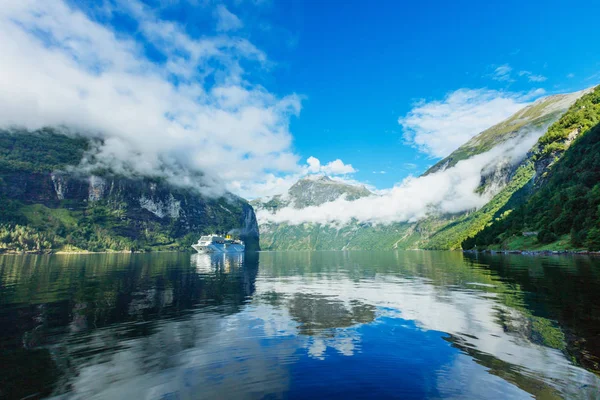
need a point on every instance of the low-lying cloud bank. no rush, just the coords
(448, 191)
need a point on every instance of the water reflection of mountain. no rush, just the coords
(564, 288)
(50, 306)
(316, 314)
(484, 313)
(167, 325)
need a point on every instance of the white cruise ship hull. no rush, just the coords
(220, 248)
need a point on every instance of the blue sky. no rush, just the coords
(290, 79)
(362, 67)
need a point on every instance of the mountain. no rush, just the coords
(502, 182)
(537, 116)
(49, 205)
(314, 191)
(559, 207)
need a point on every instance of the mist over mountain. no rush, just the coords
(558, 206)
(308, 194)
(451, 201)
(50, 204)
(191, 117)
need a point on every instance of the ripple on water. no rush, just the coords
(298, 325)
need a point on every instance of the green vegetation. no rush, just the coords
(45, 150)
(540, 114)
(96, 228)
(452, 235)
(325, 237)
(582, 116)
(567, 198)
(34, 217)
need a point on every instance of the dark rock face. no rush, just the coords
(142, 201)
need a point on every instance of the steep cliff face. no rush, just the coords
(70, 210)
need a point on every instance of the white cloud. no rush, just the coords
(269, 185)
(570, 75)
(380, 172)
(448, 191)
(226, 20)
(314, 165)
(193, 118)
(337, 167)
(439, 127)
(532, 77)
(502, 73)
(272, 184)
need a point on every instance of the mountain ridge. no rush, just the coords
(560, 207)
(440, 231)
(541, 113)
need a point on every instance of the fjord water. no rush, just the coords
(299, 325)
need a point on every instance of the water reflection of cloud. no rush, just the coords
(464, 313)
(344, 342)
(312, 318)
(208, 356)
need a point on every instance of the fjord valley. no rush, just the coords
(52, 203)
(524, 158)
(291, 199)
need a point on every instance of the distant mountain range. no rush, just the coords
(315, 191)
(544, 131)
(546, 198)
(312, 190)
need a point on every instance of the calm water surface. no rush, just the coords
(406, 325)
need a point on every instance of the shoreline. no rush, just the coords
(485, 251)
(536, 252)
(85, 252)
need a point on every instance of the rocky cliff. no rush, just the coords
(48, 205)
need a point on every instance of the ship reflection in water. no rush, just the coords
(298, 325)
(206, 263)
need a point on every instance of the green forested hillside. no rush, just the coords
(436, 231)
(538, 115)
(453, 234)
(566, 197)
(47, 205)
(45, 150)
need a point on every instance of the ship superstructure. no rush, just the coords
(219, 244)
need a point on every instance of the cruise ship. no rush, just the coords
(219, 244)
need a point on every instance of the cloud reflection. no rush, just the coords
(412, 324)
